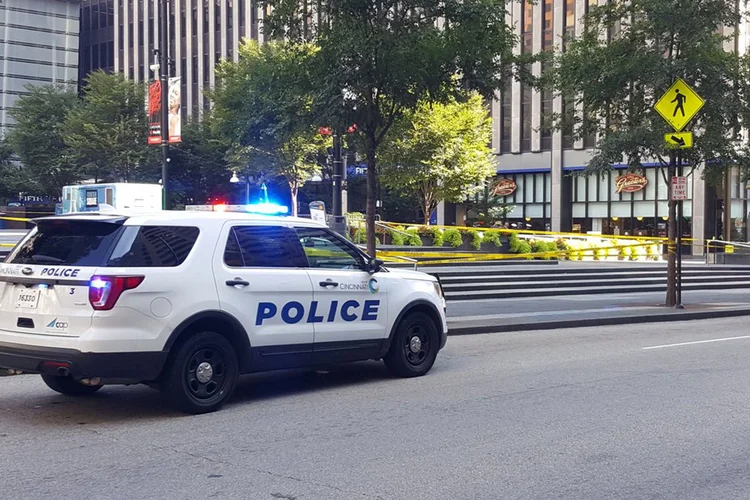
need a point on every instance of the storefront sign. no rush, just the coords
(504, 187)
(630, 183)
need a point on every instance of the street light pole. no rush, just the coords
(164, 80)
(338, 174)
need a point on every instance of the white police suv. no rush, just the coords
(189, 301)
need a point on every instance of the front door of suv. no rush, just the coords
(260, 282)
(351, 304)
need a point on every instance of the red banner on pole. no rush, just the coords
(154, 112)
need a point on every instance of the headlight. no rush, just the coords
(438, 288)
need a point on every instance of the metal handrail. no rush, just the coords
(732, 243)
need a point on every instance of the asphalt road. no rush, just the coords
(564, 414)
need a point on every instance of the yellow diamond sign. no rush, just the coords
(679, 105)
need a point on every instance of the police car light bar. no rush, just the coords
(253, 208)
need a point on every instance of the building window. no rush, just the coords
(506, 111)
(230, 15)
(217, 15)
(183, 24)
(241, 15)
(194, 22)
(130, 35)
(205, 18)
(527, 26)
(254, 19)
(195, 69)
(206, 70)
(95, 17)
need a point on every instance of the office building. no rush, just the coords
(536, 164)
(38, 46)
(97, 37)
(201, 34)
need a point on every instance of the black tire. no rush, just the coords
(201, 374)
(408, 357)
(69, 386)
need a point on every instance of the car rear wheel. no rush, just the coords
(69, 386)
(414, 346)
(201, 374)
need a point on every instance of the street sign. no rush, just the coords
(679, 105)
(679, 140)
(679, 188)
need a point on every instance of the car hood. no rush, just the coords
(411, 275)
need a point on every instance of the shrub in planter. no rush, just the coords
(476, 240)
(524, 248)
(515, 243)
(492, 237)
(623, 254)
(552, 247)
(437, 236)
(452, 237)
(397, 236)
(412, 238)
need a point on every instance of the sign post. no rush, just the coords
(678, 106)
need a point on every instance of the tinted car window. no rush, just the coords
(67, 243)
(153, 246)
(326, 250)
(260, 246)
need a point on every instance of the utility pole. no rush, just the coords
(164, 80)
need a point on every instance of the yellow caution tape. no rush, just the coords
(15, 219)
(525, 231)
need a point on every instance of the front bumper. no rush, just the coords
(137, 366)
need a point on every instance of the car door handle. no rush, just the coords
(237, 282)
(328, 283)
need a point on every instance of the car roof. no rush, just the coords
(178, 218)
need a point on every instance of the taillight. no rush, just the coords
(105, 290)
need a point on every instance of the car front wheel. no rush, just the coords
(414, 346)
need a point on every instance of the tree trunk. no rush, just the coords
(372, 180)
(671, 237)
(294, 189)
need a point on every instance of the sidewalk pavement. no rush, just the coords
(607, 315)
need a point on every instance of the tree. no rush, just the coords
(37, 139)
(628, 56)
(107, 133)
(262, 106)
(10, 173)
(199, 166)
(380, 58)
(440, 151)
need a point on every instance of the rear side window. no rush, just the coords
(153, 246)
(67, 243)
(261, 246)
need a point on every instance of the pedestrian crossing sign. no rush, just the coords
(679, 105)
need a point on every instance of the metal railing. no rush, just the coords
(725, 243)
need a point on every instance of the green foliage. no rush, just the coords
(439, 151)
(38, 141)
(486, 208)
(106, 133)
(515, 243)
(412, 238)
(452, 238)
(199, 169)
(398, 238)
(262, 106)
(656, 41)
(476, 240)
(437, 236)
(492, 237)
(380, 58)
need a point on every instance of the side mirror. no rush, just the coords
(374, 266)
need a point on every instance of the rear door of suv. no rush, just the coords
(44, 281)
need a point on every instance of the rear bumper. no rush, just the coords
(138, 366)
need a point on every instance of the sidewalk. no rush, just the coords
(596, 316)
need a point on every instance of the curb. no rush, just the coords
(606, 321)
